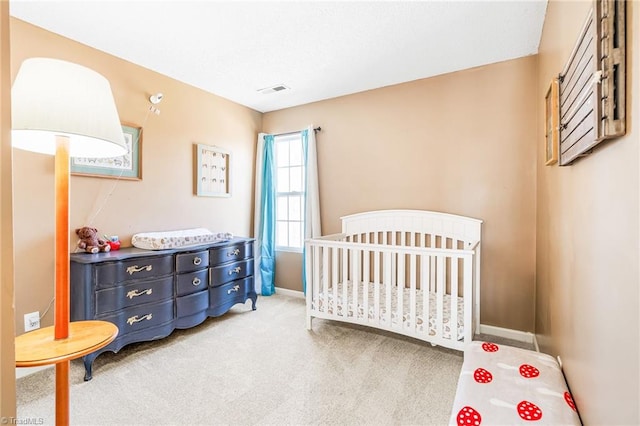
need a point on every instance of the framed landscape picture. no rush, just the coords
(127, 166)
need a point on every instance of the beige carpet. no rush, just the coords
(259, 367)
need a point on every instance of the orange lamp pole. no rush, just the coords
(61, 320)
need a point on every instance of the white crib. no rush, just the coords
(411, 272)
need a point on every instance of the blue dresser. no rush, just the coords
(148, 294)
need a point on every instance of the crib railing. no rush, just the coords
(389, 280)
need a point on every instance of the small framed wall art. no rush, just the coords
(128, 166)
(552, 124)
(213, 171)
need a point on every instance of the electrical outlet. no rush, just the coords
(31, 321)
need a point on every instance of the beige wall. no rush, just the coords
(560, 245)
(288, 270)
(462, 143)
(162, 200)
(587, 252)
(7, 354)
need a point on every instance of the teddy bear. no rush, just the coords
(89, 240)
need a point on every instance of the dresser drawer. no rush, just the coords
(230, 291)
(187, 262)
(109, 274)
(142, 316)
(219, 255)
(140, 292)
(231, 271)
(192, 282)
(192, 304)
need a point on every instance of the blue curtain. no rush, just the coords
(268, 216)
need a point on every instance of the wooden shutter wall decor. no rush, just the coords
(592, 84)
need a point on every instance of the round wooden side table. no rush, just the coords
(39, 347)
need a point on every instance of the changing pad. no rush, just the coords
(176, 239)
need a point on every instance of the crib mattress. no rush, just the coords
(358, 311)
(176, 239)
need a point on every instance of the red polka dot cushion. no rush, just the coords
(503, 385)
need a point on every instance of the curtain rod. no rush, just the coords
(315, 129)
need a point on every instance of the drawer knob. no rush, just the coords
(135, 268)
(235, 288)
(135, 319)
(136, 293)
(196, 281)
(197, 260)
(233, 253)
(235, 270)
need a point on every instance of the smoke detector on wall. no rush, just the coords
(273, 89)
(156, 99)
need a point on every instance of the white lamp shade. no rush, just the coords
(51, 97)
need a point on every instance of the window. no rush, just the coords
(290, 194)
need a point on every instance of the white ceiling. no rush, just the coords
(318, 49)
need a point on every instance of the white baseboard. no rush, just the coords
(27, 371)
(287, 292)
(507, 333)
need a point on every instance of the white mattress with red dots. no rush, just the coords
(503, 385)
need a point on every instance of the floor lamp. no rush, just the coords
(66, 110)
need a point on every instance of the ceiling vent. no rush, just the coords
(273, 89)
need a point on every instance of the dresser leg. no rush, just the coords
(254, 299)
(88, 367)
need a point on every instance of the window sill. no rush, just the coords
(289, 249)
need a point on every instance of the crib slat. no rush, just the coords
(386, 260)
(440, 291)
(453, 319)
(316, 274)
(400, 289)
(468, 298)
(345, 282)
(394, 261)
(365, 281)
(325, 277)
(376, 290)
(432, 277)
(335, 265)
(412, 292)
(355, 280)
(425, 285)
